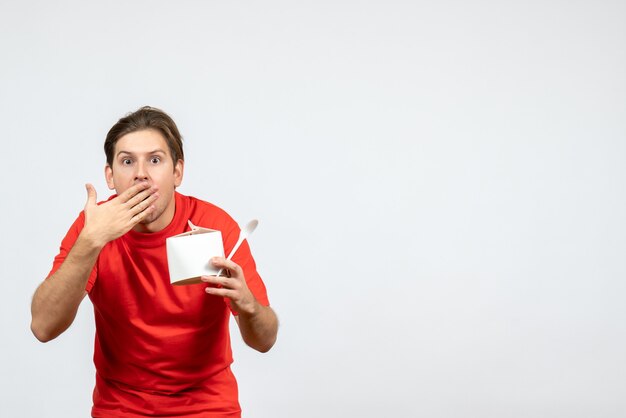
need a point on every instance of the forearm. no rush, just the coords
(258, 324)
(259, 328)
(56, 300)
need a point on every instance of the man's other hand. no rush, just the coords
(233, 287)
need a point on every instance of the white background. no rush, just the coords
(441, 188)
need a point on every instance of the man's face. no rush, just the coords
(144, 156)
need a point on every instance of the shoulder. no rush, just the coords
(196, 205)
(206, 214)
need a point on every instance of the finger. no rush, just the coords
(217, 291)
(92, 196)
(227, 264)
(140, 197)
(144, 204)
(220, 281)
(132, 191)
(141, 215)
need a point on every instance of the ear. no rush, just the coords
(108, 175)
(179, 168)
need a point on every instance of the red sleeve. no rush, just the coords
(243, 258)
(66, 246)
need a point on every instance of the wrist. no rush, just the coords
(90, 241)
(249, 310)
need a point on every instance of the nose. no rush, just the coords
(142, 173)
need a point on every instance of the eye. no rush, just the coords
(155, 160)
(126, 161)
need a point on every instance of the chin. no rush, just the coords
(150, 219)
(153, 217)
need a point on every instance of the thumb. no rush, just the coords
(91, 195)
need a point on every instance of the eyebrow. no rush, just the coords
(156, 151)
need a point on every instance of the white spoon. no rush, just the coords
(245, 233)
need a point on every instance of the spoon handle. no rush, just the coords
(243, 234)
(232, 252)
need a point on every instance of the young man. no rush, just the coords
(160, 349)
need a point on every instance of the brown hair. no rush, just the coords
(145, 118)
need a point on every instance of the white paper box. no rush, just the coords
(189, 254)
